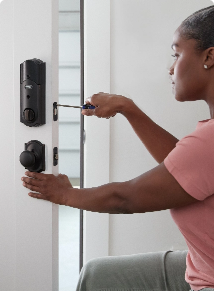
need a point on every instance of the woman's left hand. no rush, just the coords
(49, 187)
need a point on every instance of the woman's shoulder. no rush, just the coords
(202, 135)
(204, 123)
(205, 127)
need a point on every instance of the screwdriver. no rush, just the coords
(84, 106)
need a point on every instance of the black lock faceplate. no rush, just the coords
(32, 92)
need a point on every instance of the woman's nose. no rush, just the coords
(171, 70)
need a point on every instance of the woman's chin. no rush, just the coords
(179, 98)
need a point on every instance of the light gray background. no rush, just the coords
(141, 38)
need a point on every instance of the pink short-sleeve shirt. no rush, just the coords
(191, 163)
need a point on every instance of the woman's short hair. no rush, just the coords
(200, 26)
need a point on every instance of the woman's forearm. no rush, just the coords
(154, 190)
(157, 140)
(107, 198)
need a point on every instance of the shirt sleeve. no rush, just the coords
(191, 163)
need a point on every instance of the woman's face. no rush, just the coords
(187, 72)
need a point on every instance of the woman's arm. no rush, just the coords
(158, 141)
(155, 190)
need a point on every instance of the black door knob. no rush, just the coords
(33, 158)
(27, 159)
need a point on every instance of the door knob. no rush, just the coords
(27, 159)
(33, 158)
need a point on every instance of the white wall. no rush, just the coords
(141, 38)
(7, 174)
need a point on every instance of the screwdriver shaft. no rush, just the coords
(69, 106)
(84, 106)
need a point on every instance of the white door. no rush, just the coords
(28, 227)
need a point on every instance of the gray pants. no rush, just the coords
(162, 271)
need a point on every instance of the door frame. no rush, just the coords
(97, 131)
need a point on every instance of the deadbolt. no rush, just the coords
(32, 92)
(29, 114)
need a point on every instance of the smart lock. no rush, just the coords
(32, 92)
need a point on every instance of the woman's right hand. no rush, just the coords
(107, 105)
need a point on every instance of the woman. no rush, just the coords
(183, 181)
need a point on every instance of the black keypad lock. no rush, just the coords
(33, 92)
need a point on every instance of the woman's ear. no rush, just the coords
(209, 57)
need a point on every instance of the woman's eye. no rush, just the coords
(175, 56)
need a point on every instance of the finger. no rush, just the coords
(31, 187)
(88, 100)
(38, 176)
(88, 112)
(93, 99)
(31, 181)
(38, 196)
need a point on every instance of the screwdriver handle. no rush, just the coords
(88, 106)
